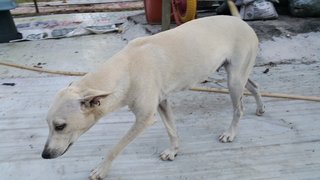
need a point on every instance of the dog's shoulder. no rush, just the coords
(138, 42)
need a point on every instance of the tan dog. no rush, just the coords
(145, 72)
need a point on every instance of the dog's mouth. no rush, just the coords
(66, 149)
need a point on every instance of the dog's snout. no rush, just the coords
(46, 154)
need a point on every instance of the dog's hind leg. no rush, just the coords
(236, 84)
(254, 89)
(166, 115)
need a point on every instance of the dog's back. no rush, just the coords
(192, 51)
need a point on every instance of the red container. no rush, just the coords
(153, 10)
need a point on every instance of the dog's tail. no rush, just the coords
(233, 9)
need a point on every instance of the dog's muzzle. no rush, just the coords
(51, 154)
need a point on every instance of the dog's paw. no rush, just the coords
(260, 111)
(99, 172)
(169, 154)
(227, 137)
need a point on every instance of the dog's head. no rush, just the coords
(71, 114)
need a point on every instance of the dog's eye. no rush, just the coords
(60, 127)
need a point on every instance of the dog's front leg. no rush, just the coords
(138, 127)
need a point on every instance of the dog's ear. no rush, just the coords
(92, 98)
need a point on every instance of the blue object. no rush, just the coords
(8, 30)
(7, 5)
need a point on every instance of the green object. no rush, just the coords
(304, 8)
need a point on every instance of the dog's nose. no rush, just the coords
(46, 154)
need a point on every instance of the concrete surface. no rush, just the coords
(282, 144)
(83, 53)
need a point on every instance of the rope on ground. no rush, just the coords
(66, 73)
(264, 94)
(203, 89)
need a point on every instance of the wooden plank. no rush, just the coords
(166, 14)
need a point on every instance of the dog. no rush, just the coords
(142, 75)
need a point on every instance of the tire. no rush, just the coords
(189, 11)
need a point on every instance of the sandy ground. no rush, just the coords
(282, 144)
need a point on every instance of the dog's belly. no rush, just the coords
(186, 78)
(181, 68)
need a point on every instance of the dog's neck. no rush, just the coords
(111, 78)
